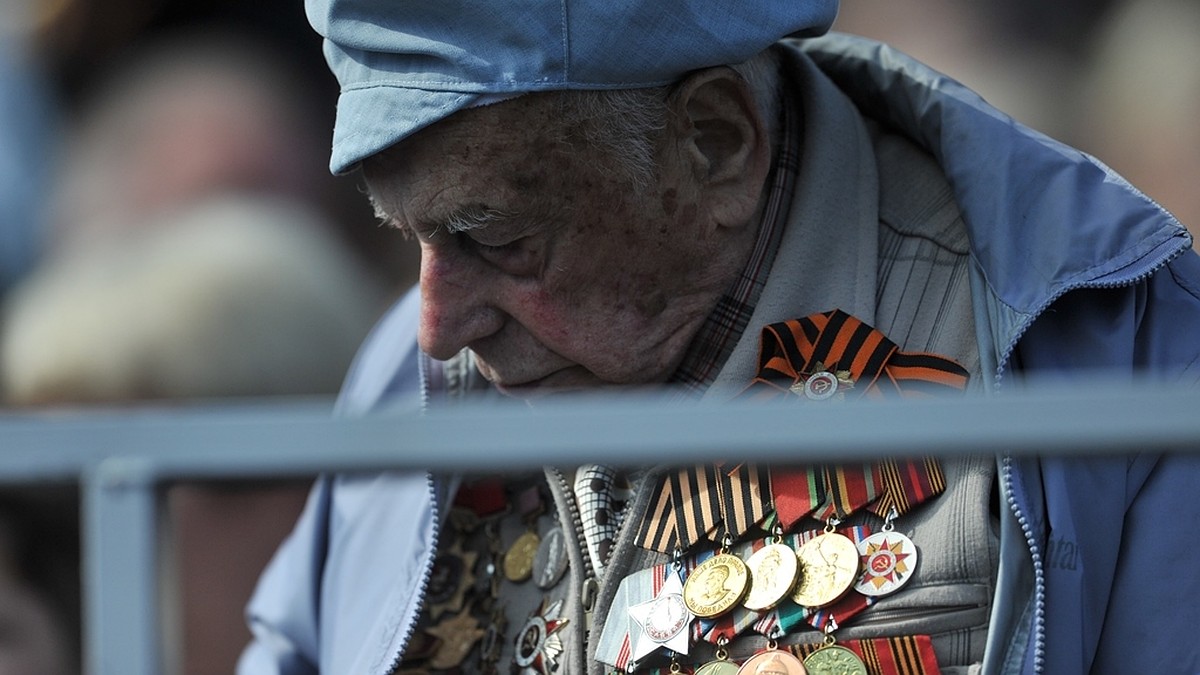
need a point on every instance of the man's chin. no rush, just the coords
(573, 380)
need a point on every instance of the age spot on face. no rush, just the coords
(670, 201)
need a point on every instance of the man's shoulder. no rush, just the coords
(385, 372)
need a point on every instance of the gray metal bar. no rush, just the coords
(289, 441)
(121, 628)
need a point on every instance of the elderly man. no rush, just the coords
(623, 194)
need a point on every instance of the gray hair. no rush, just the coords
(622, 124)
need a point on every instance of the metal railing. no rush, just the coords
(121, 458)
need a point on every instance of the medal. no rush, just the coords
(457, 635)
(773, 662)
(828, 568)
(537, 646)
(550, 562)
(518, 560)
(888, 559)
(722, 666)
(453, 575)
(821, 384)
(834, 660)
(718, 668)
(716, 585)
(663, 621)
(773, 571)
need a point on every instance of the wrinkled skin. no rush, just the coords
(585, 282)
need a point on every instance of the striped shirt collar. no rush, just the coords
(715, 340)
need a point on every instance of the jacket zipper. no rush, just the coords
(1039, 585)
(423, 367)
(427, 573)
(588, 588)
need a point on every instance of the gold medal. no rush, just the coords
(773, 571)
(773, 662)
(716, 585)
(518, 560)
(828, 568)
(834, 660)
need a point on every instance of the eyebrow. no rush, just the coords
(473, 217)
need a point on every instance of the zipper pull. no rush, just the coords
(591, 590)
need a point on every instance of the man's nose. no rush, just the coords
(455, 305)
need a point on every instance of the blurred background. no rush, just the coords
(170, 235)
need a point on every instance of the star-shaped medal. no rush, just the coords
(820, 384)
(888, 559)
(458, 635)
(537, 647)
(663, 621)
(453, 575)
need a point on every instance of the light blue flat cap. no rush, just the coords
(405, 64)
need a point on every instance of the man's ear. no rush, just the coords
(723, 138)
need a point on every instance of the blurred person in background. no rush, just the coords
(27, 141)
(190, 255)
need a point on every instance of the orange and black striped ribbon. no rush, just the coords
(905, 655)
(743, 502)
(907, 482)
(791, 350)
(659, 531)
(695, 494)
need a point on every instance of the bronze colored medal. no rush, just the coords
(888, 559)
(834, 660)
(458, 635)
(550, 561)
(718, 668)
(773, 571)
(773, 662)
(828, 568)
(716, 585)
(518, 560)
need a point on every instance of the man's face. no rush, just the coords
(571, 279)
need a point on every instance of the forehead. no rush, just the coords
(511, 146)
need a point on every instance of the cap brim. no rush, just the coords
(372, 119)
